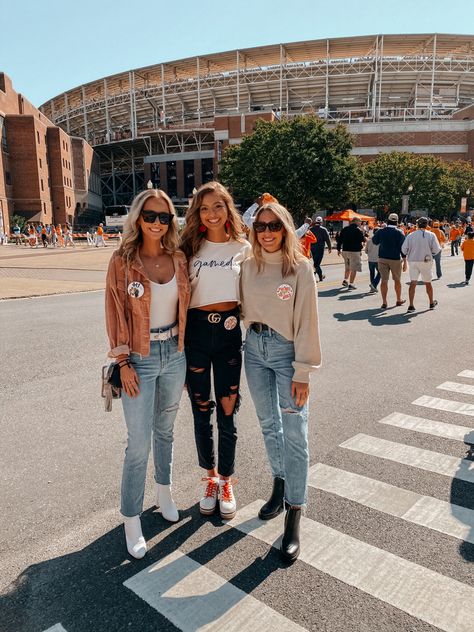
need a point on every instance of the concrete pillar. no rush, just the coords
(197, 172)
(180, 178)
(163, 177)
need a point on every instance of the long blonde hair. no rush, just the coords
(132, 235)
(191, 237)
(290, 246)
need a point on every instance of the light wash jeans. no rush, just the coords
(152, 412)
(268, 361)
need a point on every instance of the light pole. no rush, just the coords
(406, 200)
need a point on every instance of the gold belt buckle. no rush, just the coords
(214, 318)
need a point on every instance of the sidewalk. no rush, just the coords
(27, 272)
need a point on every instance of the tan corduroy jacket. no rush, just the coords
(127, 305)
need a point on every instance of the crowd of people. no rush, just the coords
(392, 248)
(54, 236)
(174, 304)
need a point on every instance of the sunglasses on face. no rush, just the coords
(273, 227)
(150, 217)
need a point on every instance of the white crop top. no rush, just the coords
(215, 270)
(164, 303)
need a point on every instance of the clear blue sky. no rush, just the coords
(59, 44)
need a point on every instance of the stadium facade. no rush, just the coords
(170, 122)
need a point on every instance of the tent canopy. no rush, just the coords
(348, 215)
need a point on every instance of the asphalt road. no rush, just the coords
(62, 556)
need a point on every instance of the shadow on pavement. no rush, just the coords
(379, 317)
(462, 498)
(84, 590)
(334, 292)
(350, 296)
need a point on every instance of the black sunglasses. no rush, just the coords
(150, 217)
(273, 227)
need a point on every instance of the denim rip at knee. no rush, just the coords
(151, 415)
(268, 367)
(217, 347)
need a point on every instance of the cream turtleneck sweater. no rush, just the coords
(288, 305)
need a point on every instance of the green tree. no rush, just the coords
(301, 161)
(437, 186)
(18, 219)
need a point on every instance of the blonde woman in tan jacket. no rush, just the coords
(279, 305)
(147, 297)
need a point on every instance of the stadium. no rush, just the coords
(170, 122)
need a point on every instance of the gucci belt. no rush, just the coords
(214, 318)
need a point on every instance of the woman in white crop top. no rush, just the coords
(213, 242)
(147, 296)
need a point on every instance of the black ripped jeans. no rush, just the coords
(214, 341)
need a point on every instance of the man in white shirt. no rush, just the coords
(420, 247)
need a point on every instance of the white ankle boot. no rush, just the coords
(136, 544)
(165, 503)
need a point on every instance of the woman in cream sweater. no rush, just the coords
(279, 305)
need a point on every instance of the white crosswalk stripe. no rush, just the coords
(457, 387)
(409, 455)
(195, 599)
(466, 373)
(392, 579)
(445, 404)
(56, 628)
(429, 426)
(425, 511)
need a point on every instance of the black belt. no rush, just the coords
(259, 327)
(213, 317)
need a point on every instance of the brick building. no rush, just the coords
(45, 174)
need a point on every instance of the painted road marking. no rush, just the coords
(457, 387)
(428, 426)
(425, 511)
(392, 579)
(466, 373)
(409, 455)
(445, 404)
(56, 628)
(196, 599)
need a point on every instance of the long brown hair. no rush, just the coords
(191, 237)
(132, 234)
(290, 246)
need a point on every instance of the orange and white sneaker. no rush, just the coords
(227, 504)
(207, 504)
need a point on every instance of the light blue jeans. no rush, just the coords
(268, 366)
(151, 413)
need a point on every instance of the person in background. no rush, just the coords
(350, 241)
(279, 306)
(100, 236)
(420, 247)
(44, 236)
(306, 242)
(90, 241)
(67, 236)
(317, 249)
(17, 234)
(390, 240)
(372, 252)
(440, 236)
(455, 238)
(467, 248)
